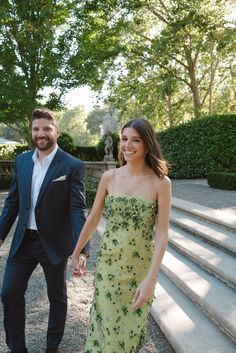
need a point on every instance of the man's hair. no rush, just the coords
(43, 113)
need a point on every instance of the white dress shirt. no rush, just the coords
(39, 172)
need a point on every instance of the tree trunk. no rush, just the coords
(170, 111)
(193, 83)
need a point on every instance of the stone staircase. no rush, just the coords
(195, 304)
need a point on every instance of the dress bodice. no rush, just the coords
(126, 212)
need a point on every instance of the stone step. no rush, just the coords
(217, 216)
(185, 326)
(216, 299)
(219, 263)
(211, 232)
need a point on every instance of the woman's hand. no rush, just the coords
(143, 293)
(79, 265)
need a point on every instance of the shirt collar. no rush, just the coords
(47, 159)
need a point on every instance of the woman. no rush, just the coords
(127, 265)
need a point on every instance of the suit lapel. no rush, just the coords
(28, 178)
(49, 175)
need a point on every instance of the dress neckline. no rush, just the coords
(131, 197)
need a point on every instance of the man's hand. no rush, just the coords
(79, 265)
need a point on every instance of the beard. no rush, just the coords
(47, 145)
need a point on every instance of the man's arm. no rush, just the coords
(10, 209)
(77, 202)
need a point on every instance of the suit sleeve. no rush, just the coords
(11, 207)
(77, 201)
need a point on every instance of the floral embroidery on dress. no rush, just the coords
(122, 263)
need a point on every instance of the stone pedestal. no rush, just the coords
(96, 169)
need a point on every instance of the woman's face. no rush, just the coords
(131, 145)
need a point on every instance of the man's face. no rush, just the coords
(44, 134)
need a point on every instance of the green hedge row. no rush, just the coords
(222, 180)
(201, 146)
(90, 191)
(5, 180)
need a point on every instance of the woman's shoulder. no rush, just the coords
(165, 180)
(108, 175)
(162, 183)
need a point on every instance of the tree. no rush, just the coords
(31, 57)
(154, 56)
(9, 133)
(102, 120)
(182, 45)
(74, 123)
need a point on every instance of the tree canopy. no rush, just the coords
(166, 60)
(31, 56)
(163, 59)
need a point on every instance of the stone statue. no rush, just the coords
(108, 147)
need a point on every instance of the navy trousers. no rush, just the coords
(17, 274)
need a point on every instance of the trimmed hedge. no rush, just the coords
(221, 180)
(97, 153)
(5, 180)
(88, 153)
(91, 186)
(201, 146)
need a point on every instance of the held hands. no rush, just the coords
(79, 265)
(143, 293)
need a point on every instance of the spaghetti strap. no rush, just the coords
(113, 182)
(152, 186)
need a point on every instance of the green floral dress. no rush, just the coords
(122, 264)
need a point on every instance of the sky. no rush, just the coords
(81, 96)
(78, 96)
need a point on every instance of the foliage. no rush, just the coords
(31, 57)
(196, 148)
(88, 153)
(96, 153)
(5, 180)
(93, 42)
(90, 191)
(9, 133)
(102, 120)
(73, 122)
(222, 180)
(65, 141)
(165, 60)
(10, 151)
(7, 152)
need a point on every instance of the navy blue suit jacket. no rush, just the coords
(60, 209)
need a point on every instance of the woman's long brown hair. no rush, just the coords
(154, 158)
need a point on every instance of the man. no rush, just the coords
(47, 195)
